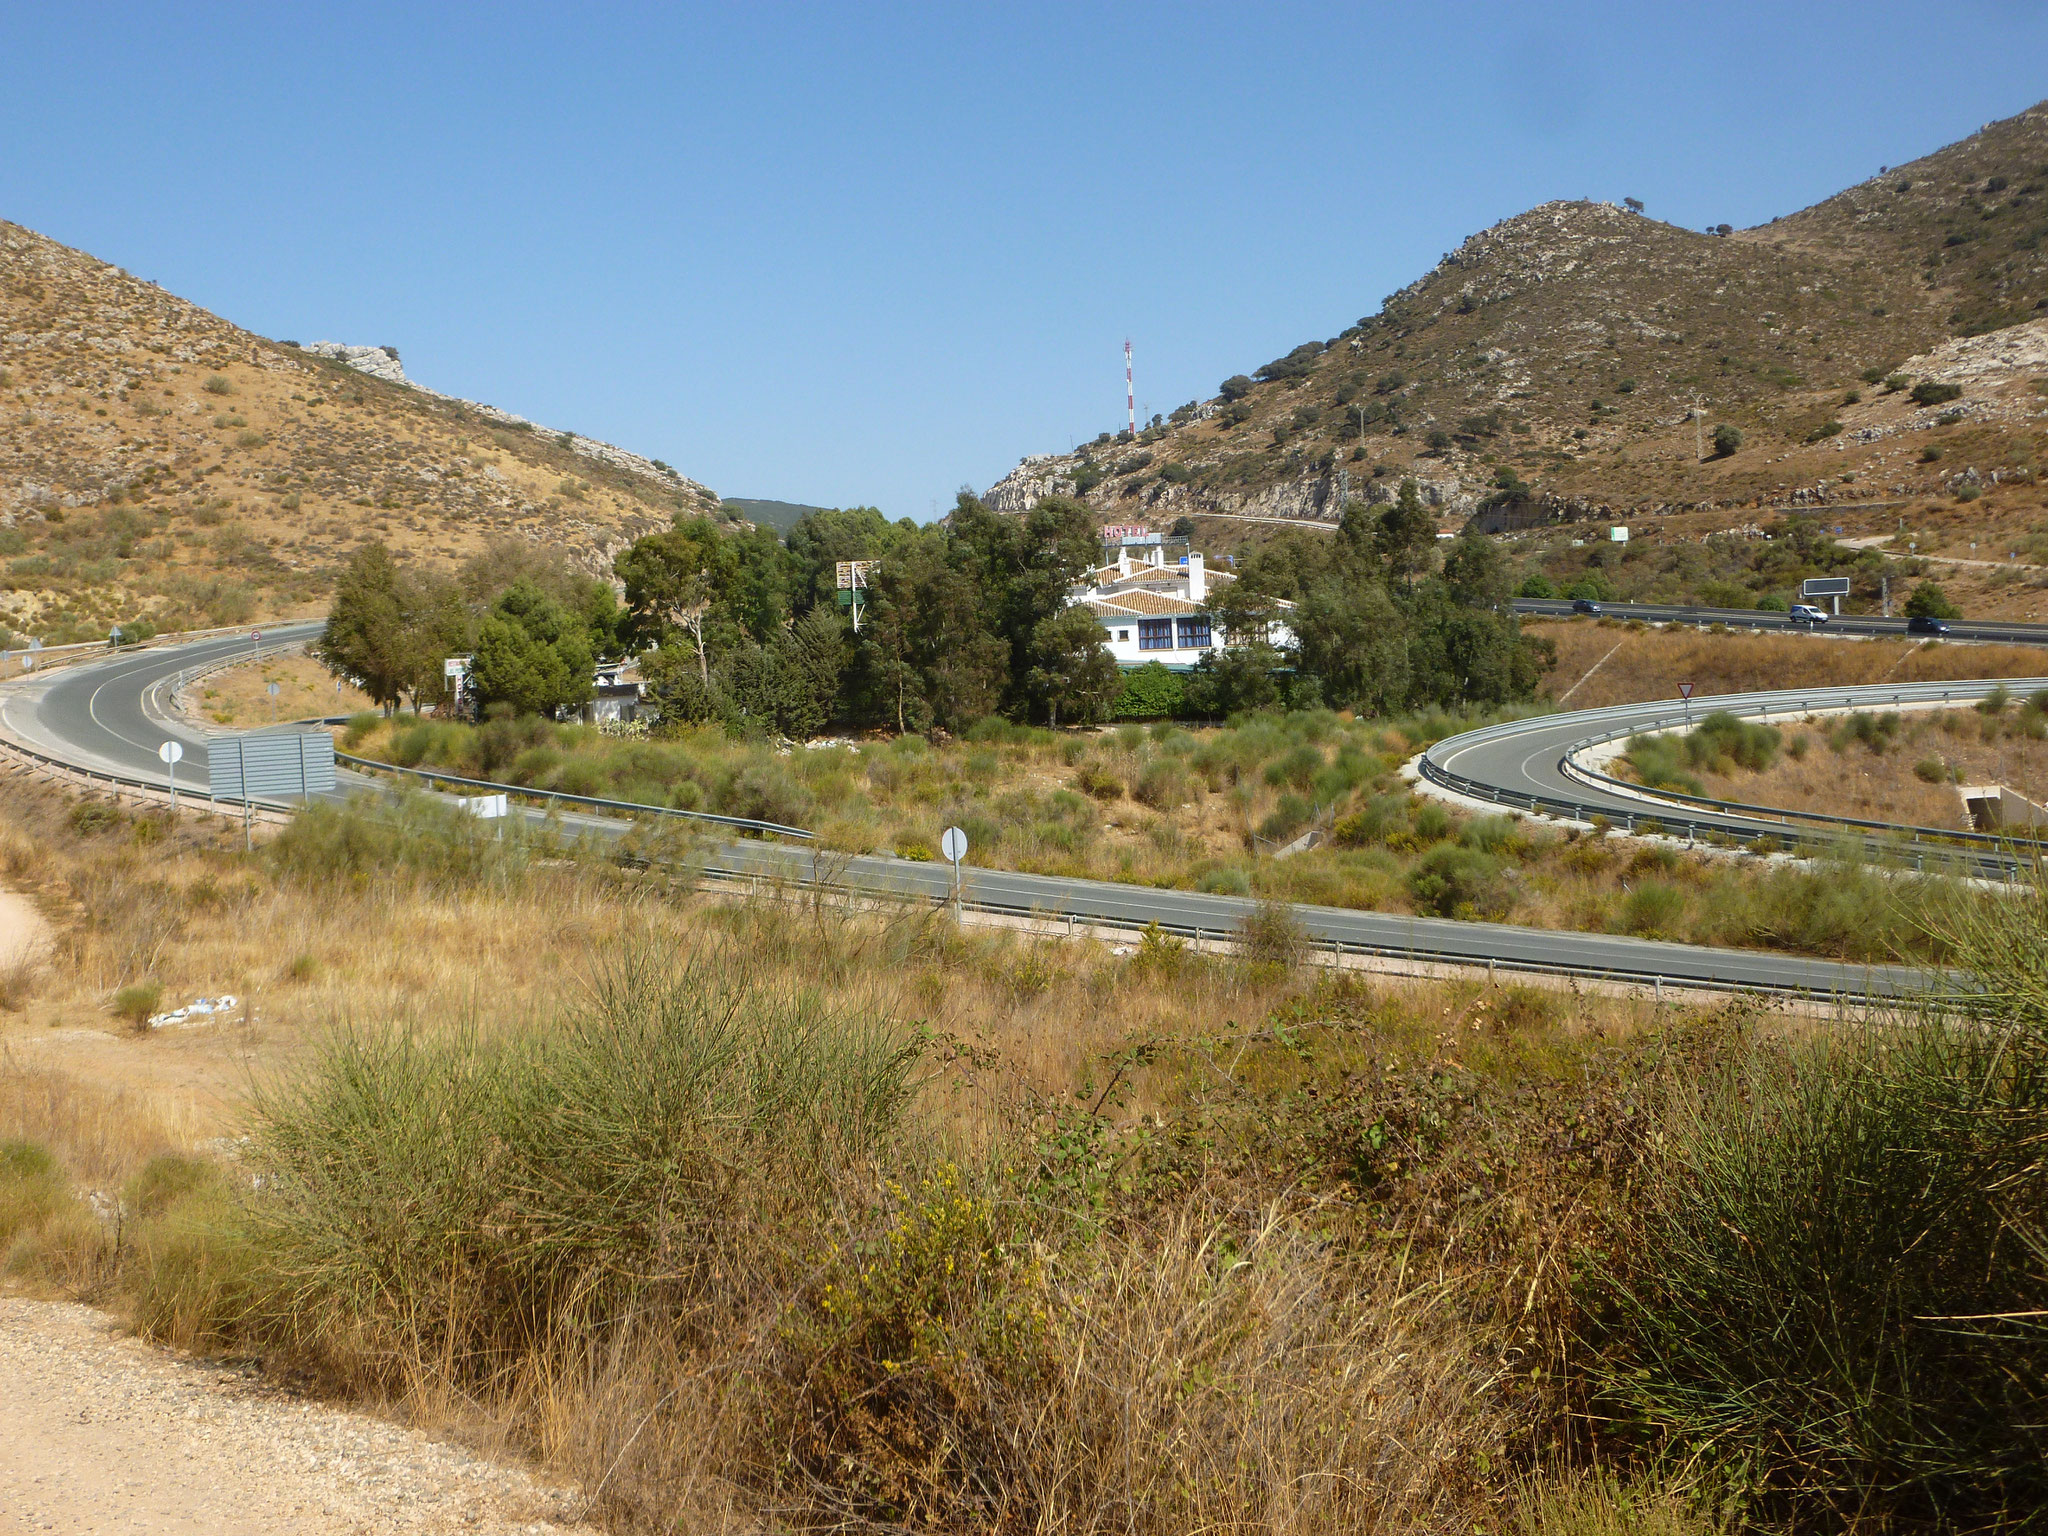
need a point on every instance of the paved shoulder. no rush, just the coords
(101, 1433)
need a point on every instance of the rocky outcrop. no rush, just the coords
(377, 362)
(382, 363)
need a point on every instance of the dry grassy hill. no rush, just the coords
(1571, 344)
(158, 462)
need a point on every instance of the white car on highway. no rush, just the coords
(1806, 613)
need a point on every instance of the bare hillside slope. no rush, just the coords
(159, 462)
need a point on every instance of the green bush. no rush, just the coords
(1536, 585)
(1452, 880)
(137, 1001)
(32, 1189)
(1930, 602)
(1727, 439)
(1151, 692)
(1932, 392)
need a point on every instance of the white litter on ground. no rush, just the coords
(202, 1010)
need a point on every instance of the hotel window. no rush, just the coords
(1194, 632)
(1155, 634)
(1123, 635)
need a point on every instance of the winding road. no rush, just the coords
(111, 716)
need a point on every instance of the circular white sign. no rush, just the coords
(255, 634)
(273, 690)
(954, 845)
(171, 751)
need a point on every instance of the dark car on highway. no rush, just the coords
(1585, 605)
(1926, 624)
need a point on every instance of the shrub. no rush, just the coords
(217, 384)
(1236, 387)
(1151, 692)
(138, 1001)
(1727, 439)
(1452, 880)
(1163, 784)
(1270, 935)
(1931, 454)
(1099, 781)
(677, 1137)
(1931, 770)
(32, 1189)
(89, 818)
(1536, 585)
(1933, 392)
(1655, 910)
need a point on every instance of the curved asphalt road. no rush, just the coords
(1527, 757)
(107, 716)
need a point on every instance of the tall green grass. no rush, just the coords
(475, 1198)
(1838, 1272)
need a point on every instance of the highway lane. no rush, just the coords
(100, 713)
(1985, 631)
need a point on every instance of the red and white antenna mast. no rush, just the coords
(1130, 390)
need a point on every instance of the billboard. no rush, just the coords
(1824, 586)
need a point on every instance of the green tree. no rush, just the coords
(1727, 438)
(1072, 672)
(1477, 574)
(531, 653)
(365, 634)
(679, 582)
(1930, 602)
(434, 625)
(1405, 539)
(1354, 637)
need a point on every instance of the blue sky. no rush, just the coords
(870, 253)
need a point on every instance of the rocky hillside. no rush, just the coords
(158, 462)
(1589, 353)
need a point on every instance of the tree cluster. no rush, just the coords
(957, 621)
(532, 623)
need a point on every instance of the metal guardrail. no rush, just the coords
(519, 791)
(1422, 954)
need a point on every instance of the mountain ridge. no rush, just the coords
(1568, 347)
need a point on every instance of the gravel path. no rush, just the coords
(102, 1434)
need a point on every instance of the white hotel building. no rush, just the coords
(1152, 610)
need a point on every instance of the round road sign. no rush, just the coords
(954, 845)
(171, 751)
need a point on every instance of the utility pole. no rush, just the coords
(1699, 431)
(1130, 390)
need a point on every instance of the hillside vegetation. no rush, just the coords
(1557, 359)
(159, 462)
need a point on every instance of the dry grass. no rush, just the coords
(1650, 663)
(240, 696)
(1840, 774)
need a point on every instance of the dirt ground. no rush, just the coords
(103, 1434)
(1603, 662)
